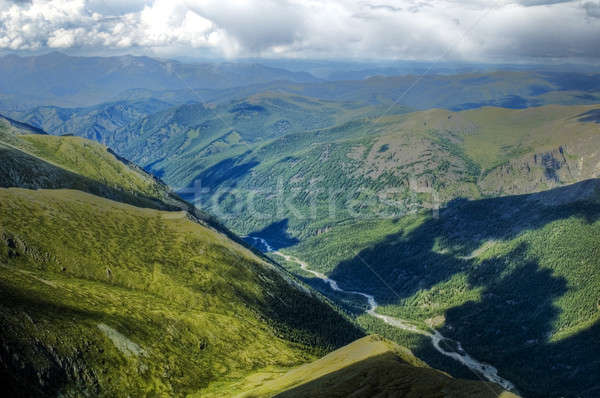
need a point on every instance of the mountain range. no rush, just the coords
(252, 231)
(59, 79)
(113, 285)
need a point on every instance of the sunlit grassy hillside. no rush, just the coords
(107, 298)
(371, 367)
(103, 298)
(45, 161)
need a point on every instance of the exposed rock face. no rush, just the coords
(321, 231)
(51, 373)
(541, 171)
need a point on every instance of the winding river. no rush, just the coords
(485, 370)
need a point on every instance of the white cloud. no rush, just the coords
(406, 29)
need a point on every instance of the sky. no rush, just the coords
(449, 30)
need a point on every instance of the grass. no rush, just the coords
(368, 367)
(43, 161)
(105, 298)
(201, 307)
(93, 161)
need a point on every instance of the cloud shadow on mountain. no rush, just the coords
(515, 314)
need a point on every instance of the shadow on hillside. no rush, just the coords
(592, 116)
(21, 170)
(229, 170)
(407, 263)
(388, 375)
(510, 327)
(516, 313)
(276, 234)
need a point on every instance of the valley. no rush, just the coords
(487, 371)
(104, 297)
(251, 231)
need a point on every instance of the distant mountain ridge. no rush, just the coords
(60, 79)
(95, 122)
(20, 127)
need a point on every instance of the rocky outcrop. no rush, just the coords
(544, 170)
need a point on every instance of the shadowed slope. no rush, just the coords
(514, 279)
(373, 367)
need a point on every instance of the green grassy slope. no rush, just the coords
(101, 297)
(371, 367)
(108, 298)
(44, 161)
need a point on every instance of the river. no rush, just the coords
(485, 370)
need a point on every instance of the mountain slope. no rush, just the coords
(522, 246)
(14, 126)
(391, 166)
(43, 161)
(104, 298)
(154, 292)
(93, 122)
(100, 297)
(372, 367)
(180, 140)
(516, 271)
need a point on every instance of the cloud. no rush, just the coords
(385, 7)
(530, 3)
(256, 25)
(592, 9)
(76, 23)
(406, 29)
(116, 7)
